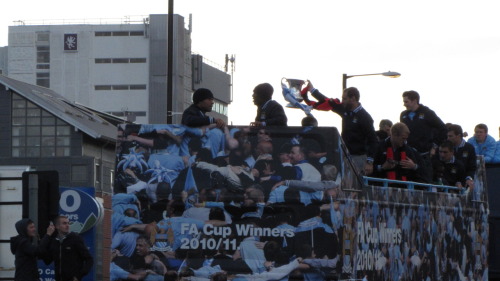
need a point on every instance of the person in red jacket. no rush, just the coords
(395, 159)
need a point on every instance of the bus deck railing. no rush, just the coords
(412, 185)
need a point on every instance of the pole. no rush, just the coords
(344, 81)
(170, 56)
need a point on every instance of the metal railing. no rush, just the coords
(412, 185)
(96, 21)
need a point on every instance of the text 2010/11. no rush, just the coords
(208, 243)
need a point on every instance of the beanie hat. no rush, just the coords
(163, 190)
(202, 94)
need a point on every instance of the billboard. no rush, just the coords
(84, 212)
(252, 203)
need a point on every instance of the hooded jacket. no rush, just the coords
(26, 253)
(70, 255)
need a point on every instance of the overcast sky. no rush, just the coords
(448, 51)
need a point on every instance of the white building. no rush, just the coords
(115, 68)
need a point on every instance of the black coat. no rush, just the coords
(272, 113)
(358, 132)
(400, 173)
(70, 256)
(449, 172)
(26, 253)
(194, 116)
(426, 128)
(466, 153)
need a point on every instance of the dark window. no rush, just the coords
(102, 60)
(120, 33)
(43, 54)
(48, 120)
(43, 75)
(120, 60)
(43, 66)
(103, 33)
(42, 37)
(43, 79)
(43, 83)
(137, 60)
(35, 132)
(120, 87)
(138, 87)
(102, 87)
(136, 33)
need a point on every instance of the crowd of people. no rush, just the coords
(205, 201)
(420, 148)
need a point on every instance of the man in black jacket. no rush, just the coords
(427, 129)
(448, 170)
(68, 251)
(269, 112)
(195, 114)
(464, 152)
(358, 132)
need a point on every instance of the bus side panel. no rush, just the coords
(417, 235)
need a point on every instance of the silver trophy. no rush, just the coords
(291, 93)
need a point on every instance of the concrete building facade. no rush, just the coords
(116, 68)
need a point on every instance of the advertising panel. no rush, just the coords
(83, 212)
(249, 203)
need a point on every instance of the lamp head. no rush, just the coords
(391, 74)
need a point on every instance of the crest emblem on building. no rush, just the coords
(70, 42)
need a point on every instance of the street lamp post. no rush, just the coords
(170, 58)
(390, 74)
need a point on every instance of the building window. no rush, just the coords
(36, 132)
(120, 33)
(138, 87)
(43, 62)
(220, 108)
(136, 33)
(43, 75)
(102, 87)
(102, 60)
(43, 54)
(120, 87)
(103, 33)
(43, 66)
(43, 79)
(137, 60)
(120, 60)
(42, 37)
